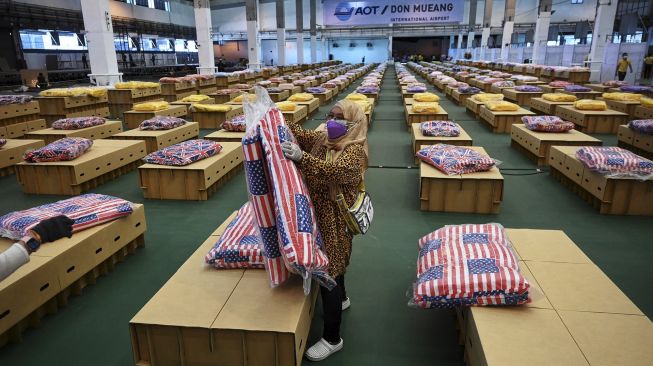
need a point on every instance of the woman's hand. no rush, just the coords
(292, 151)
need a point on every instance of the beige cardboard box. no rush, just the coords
(519, 97)
(225, 136)
(312, 105)
(20, 129)
(213, 120)
(107, 158)
(156, 140)
(546, 107)
(480, 192)
(642, 112)
(49, 135)
(224, 98)
(545, 246)
(502, 121)
(606, 121)
(413, 117)
(611, 339)
(196, 181)
(580, 287)
(190, 104)
(134, 118)
(132, 96)
(582, 95)
(204, 316)
(623, 106)
(537, 145)
(299, 115)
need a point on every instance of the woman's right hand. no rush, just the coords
(292, 151)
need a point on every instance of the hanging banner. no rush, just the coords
(347, 13)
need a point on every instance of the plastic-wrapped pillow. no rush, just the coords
(158, 123)
(622, 96)
(87, 210)
(458, 84)
(65, 149)
(151, 106)
(453, 160)
(264, 82)
(484, 97)
(368, 90)
(416, 89)
(300, 82)
(646, 102)
(15, 99)
(184, 153)
(501, 106)
(282, 205)
(236, 124)
(526, 78)
(77, 123)
(226, 91)
(286, 106)
(635, 89)
(573, 88)
(528, 88)
(468, 265)
(136, 85)
(440, 129)
(195, 98)
(356, 96)
(590, 105)
(426, 97)
(3, 142)
(239, 99)
(365, 105)
(286, 86)
(429, 107)
(242, 86)
(614, 83)
(559, 97)
(504, 84)
(615, 162)
(547, 124)
(468, 90)
(559, 84)
(644, 126)
(210, 108)
(240, 244)
(301, 97)
(274, 90)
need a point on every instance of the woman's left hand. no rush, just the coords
(292, 151)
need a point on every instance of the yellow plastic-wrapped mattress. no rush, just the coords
(195, 98)
(426, 97)
(622, 96)
(485, 97)
(646, 102)
(430, 107)
(211, 108)
(356, 96)
(286, 106)
(559, 97)
(151, 106)
(501, 106)
(301, 97)
(590, 105)
(239, 99)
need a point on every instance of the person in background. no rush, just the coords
(433, 58)
(41, 81)
(648, 64)
(332, 161)
(124, 60)
(623, 66)
(45, 231)
(153, 60)
(363, 60)
(84, 61)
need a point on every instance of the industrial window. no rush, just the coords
(51, 40)
(576, 1)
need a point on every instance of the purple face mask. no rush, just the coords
(336, 128)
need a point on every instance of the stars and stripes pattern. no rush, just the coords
(184, 153)
(547, 124)
(77, 123)
(644, 126)
(240, 244)
(236, 124)
(453, 160)
(615, 162)
(468, 265)
(282, 205)
(87, 210)
(65, 149)
(440, 128)
(157, 123)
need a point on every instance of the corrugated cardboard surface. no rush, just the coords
(205, 316)
(105, 130)
(546, 246)
(20, 129)
(225, 136)
(57, 265)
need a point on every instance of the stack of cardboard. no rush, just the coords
(18, 119)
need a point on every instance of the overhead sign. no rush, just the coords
(347, 13)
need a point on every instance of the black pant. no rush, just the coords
(332, 307)
(647, 71)
(622, 75)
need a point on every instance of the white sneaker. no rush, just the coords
(323, 349)
(346, 304)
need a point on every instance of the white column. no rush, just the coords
(541, 36)
(459, 49)
(101, 48)
(505, 39)
(390, 48)
(603, 27)
(281, 46)
(313, 49)
(300, 48)
(470, 40)
(204, 39)
(484, 38)
(299, 17)
(253, 40)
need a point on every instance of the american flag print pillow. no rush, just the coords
(158, 123)
(3, 142)
(240, 244)
(236, 124)
(547, 124)
(77, 123)
(184, 153)
(65, 149)
(615, 162)
(282, 205)
(86, 210)
(440, 128)
(644, 126)
(528, 88)
(468, 265)
(453, 160)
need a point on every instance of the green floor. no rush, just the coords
(379, 328)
